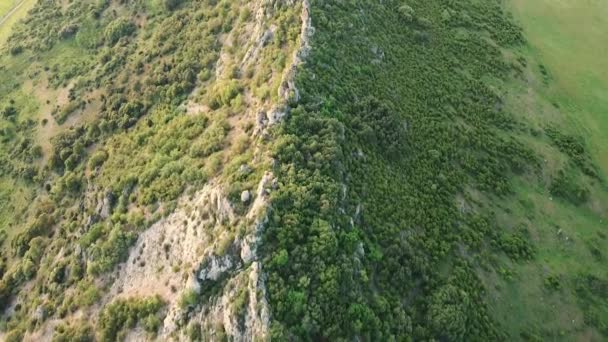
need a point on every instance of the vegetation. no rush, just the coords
(440, 175)
(397, 170)
(109, 112)
(81, 331)
(122, 314)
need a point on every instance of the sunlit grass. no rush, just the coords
(5, 7)
(7, 22)
(571, 38)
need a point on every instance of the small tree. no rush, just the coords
(117, 29)
(171, 4)
(407, 13)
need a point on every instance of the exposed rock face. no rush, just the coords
(166, 253)
(276, 116)
(288, 88)
(245, 169)
(196, 248)
(104, 210)
(288, 92)
(216, 266)
(182, 253)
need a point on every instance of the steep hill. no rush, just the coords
(212, 170)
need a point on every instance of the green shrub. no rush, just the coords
(516, 245)
(76, 332)
(224, 92)
(97, 159)
(574, 147)
(194, 332)
(553, 282)
(9, 112)
(171, 4)
(189, 299)
(105, 254)
(407, 13)
(122, 314)
(565, 186)
(15, 335)
(117, 29)
(241, 301)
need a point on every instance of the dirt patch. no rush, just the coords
(50, 99)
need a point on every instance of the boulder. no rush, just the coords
(245, 196)
(244, 169)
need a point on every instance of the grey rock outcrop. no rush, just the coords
(245, 196)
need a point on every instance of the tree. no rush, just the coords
(117, 29)
(448, 312)
(171, 4)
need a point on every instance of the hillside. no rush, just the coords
(209, 170)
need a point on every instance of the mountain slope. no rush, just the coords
(142, 154)
(293, 170)
(418, 199)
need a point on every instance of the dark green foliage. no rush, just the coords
(117, 29)
(573, 147)
(68, 149)
(448, 312)
(553, 282)
(595, 248)
(530, 336)
(388, 132)
(517, 245)
(378, 126)
(5, 293)
(407, 13)
(125, 314)
(566, 187)
(40, 226)
(9, 112)
(77, 332)
(592, 292)
(171, 4)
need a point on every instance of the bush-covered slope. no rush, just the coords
(398, 168)
(292, 170)
(118, 116)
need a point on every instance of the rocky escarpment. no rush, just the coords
(207, 248)
(287, 90)
(197, 250)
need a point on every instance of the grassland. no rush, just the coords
(565, 86)
(571, 39)
(12, 11)
(6, 7)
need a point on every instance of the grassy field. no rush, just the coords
(565, 237)
(6, 6)
(10, 14)
(571, 38)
